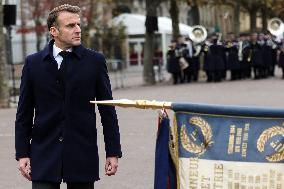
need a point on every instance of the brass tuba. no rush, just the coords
(198, 34)
(275, 26)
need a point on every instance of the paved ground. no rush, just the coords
(138, 127)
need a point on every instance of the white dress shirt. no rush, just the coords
(57, 57)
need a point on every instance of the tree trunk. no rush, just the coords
(264, 16)
(86, 35)
(253, 20)
(23, 25)
(38, 41)
(38, 34)
(237, 17)
(37, 27)
(174, 12)
(4, 90)
(195, 13)
(148, 71)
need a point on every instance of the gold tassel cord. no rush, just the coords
(142, 104)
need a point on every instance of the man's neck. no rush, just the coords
(64, 48)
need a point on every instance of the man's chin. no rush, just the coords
(76, 43)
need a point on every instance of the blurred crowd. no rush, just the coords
(248, 55)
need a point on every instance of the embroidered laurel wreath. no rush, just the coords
(188, 144)
(265, 136)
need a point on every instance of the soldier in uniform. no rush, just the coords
(243, 55)
(182, 54)
(267, 55)
(173, 65)
(194, 50)
(217, 51)
(255, 56)
(274, 46)
(281, 56)
(208, 66)
(233, 63)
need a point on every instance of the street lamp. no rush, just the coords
(9, 19)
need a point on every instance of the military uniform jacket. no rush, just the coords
(57, 128)
(218, 57)
(281, 59)
(256, 57)
(246, 62)
(208, 59)
(267, 55)
(173, 65)
(194, 60)
(233, 59)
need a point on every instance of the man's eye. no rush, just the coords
(71, 25)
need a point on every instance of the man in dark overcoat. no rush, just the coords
(55, 128)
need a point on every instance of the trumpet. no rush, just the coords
(198, 34)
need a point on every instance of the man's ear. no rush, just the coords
(53, 31)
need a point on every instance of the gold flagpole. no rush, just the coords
(142, 104)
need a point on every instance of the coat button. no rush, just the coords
(61, 139)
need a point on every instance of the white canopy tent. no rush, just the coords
(135, 26)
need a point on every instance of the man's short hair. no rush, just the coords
(242, 34)
(51, 20)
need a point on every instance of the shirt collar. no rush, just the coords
(57, 50)
(49, 49)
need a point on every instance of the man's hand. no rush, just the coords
(111, 166)
(25, 167)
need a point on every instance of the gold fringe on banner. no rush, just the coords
(142, 104)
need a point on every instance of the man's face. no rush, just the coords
(214, 39)
(231, 37)
(180, 40)
(267, 36)
(242, 38)
(254, 37)
(248, 38)
(261, 36)
(67, 33)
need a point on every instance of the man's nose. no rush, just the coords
(78, 28)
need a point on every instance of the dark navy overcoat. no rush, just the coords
(57, 128)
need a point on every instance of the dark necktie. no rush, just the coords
(62, 70)
(64, 55)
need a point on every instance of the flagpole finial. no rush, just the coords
(142, 104)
